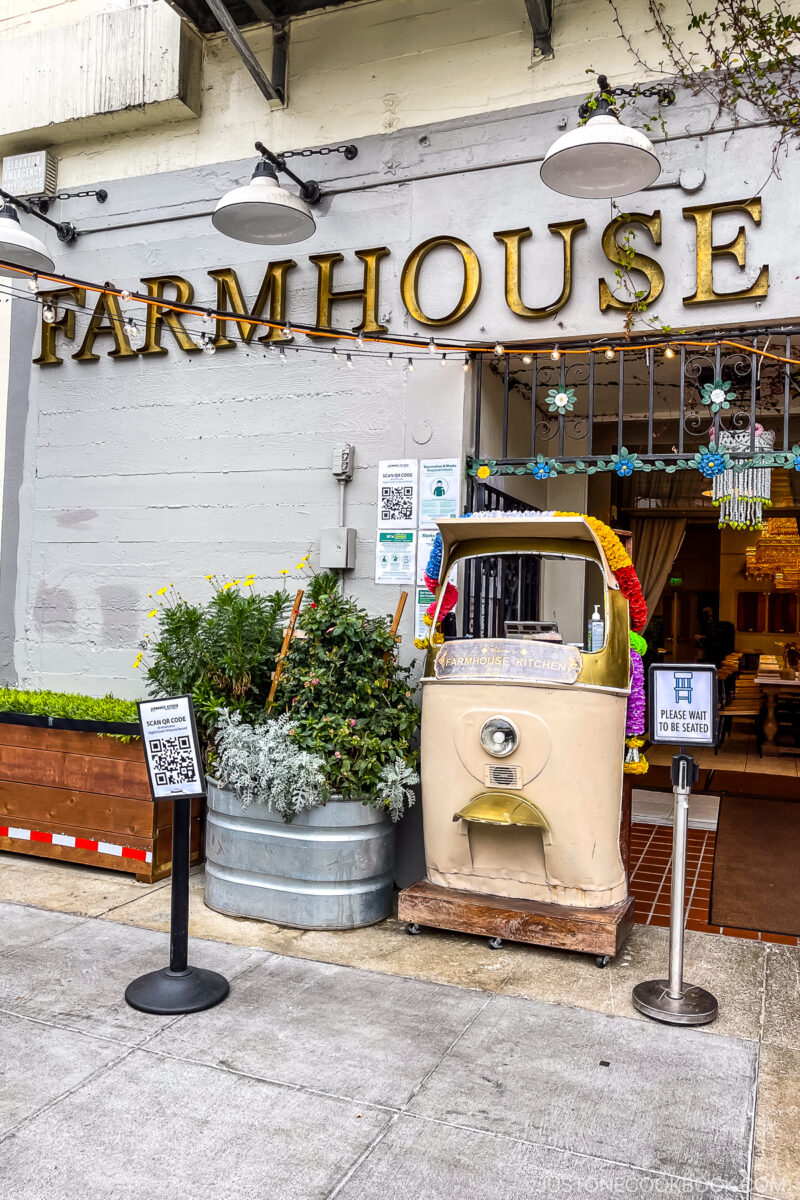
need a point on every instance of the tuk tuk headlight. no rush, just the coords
(499, 737)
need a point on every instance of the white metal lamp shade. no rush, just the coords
(264, 212)
(19, 248)
(600, 159)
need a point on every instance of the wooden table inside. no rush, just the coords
(771, 685)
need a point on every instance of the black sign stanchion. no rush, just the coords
(683, 709)
(174, 768)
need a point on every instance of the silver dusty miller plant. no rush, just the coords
(396, 782)
(263, 766)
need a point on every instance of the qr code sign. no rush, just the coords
(172, 760)
(397, 503)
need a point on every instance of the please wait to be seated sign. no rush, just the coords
(683, 704)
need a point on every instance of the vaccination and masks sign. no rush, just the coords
(683, 704)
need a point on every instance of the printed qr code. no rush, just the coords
(397, 503)
(172, 760)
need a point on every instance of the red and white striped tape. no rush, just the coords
(79, 843)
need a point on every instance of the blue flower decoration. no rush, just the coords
(543, 468)
(710, 463)
(625, 463)
(717, 395)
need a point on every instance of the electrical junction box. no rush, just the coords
(337, 549)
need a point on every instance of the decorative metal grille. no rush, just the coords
(698, 401)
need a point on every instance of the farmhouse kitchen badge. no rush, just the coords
(171, 750)
(496, 658)
(683, 704)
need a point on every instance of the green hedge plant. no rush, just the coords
(67, 704)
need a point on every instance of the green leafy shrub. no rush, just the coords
(349, 701)
(67, 704)
(221, 653)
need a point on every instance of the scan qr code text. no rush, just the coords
(172, 760)
(397, 502)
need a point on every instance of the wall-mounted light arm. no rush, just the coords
(65, 230)
(309, 189)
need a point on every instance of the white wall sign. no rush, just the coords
(397, 494)
(423, 598)
(171, 747)
(395, 556)
(439, 490)
(683, 704)
(31, 174)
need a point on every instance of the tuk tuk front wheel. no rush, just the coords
(603, 960)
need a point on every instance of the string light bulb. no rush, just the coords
(431, 346)
(286, 332)
(526, 358)
(360, 339)
(130, 327)
(207, 345)
(206, 317)
(444, 360)
(282, 357)
(350, 362)
(390, 359)
(499, 348)
(411, 366)
(335, 353)
(467, 363)
(669, 352)
(125, 294)
(609, 352)
(555, 354)
(48, 314)
(33, 283)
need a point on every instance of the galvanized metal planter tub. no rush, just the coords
(330, 868)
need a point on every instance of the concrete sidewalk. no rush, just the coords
(315, 1080)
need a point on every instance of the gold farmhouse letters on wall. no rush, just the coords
(271, 303)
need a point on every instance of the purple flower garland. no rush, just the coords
(634, 722)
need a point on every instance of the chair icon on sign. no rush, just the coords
(683, 688)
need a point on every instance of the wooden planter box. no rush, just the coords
(78, 797)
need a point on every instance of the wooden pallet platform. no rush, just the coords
(600, 931)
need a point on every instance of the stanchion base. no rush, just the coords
(695, 1007)
(169, 994)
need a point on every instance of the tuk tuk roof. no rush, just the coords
(487, 533)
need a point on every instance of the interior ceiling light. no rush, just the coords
(603, 158)
(267, 214)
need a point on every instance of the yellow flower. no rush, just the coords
(153, 613)
(286, 572)
(234, 582)
(225, 586)
(437, 639)
(421, 643)
(209, 576)
(300, 565)
(161, 591)
(483, 472)
(137, 660)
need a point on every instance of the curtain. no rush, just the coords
(656, 542)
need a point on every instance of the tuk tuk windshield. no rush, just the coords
(530, 595)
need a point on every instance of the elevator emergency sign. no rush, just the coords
(683, 704)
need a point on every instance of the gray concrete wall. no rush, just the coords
(140, 472)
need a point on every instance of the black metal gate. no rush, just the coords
(503, 587)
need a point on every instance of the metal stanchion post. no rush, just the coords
(178, 988)
(672, 1000)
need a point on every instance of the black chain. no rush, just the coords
(308, 153)
(663, 94)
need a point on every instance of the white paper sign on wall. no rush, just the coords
(439, 490)
(397, 493)
(683, 704)
(171, 747)
(395, 556)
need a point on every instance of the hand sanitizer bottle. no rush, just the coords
(596, 631)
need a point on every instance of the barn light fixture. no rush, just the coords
(603, 158)
(264, 212)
